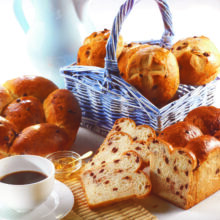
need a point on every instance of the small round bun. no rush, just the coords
(40, 139)
(93, 50)
(198, 59)
(155, 73)
(206, 118)
(127, 51)
(36, 86)
(180, 133)
(37, 117)
(24, 111)
(62, 109)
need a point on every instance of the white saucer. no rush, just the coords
(58, 205)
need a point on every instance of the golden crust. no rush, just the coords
(62, 109)
(40, 139)
(23, 125)
(180, 133)
(155, 73)
(198, 59)
(29, 86)
(127, 51)
(93, 50)
(206, 118)
(24, 111)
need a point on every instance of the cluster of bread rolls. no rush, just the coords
(157, 72)
(36, 117)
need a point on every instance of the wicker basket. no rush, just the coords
(104, 96)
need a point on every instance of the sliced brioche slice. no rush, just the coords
(112, 148)
(138, 133)
(115, 181)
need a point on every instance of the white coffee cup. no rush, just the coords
(24, 198)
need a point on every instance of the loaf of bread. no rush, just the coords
(37, 117)
(116, 181)
(184, 161)
(124, 136)
(198, 59)
(154, 72)
(93, 50)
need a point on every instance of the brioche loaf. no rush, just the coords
(155, 73)
(37, 117)
(198, 59)
(184, 161)
(115, 181)
(93, 50)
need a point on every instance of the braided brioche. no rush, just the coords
(184, 163)
(37, 117)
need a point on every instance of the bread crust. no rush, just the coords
(155, 73)
(29, 86)
(198, 59)
(40, 139)
(93, 50)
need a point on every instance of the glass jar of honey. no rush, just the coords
(66, 164)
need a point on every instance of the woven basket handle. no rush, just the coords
(165, 41)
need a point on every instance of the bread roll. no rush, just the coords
(36, 86)
(127, 51)
(198, 59)
(62, 109)
(24, 111)
(93, 50)
(155, 73)
(40, 139)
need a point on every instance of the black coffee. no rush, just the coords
(23, 177)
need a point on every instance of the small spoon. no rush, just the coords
(84, 156)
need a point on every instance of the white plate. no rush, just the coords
(58, 205)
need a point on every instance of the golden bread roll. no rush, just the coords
(8, 133)
(198, 59)
(37, 117)
(62, 109)
(155, 73)
(36, 86)
(93, 50)
(5, 98)
(24, 111)
(127, 51)
(40, 139)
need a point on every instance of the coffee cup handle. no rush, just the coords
(19, 14)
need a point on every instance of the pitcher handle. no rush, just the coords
(19, 14)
